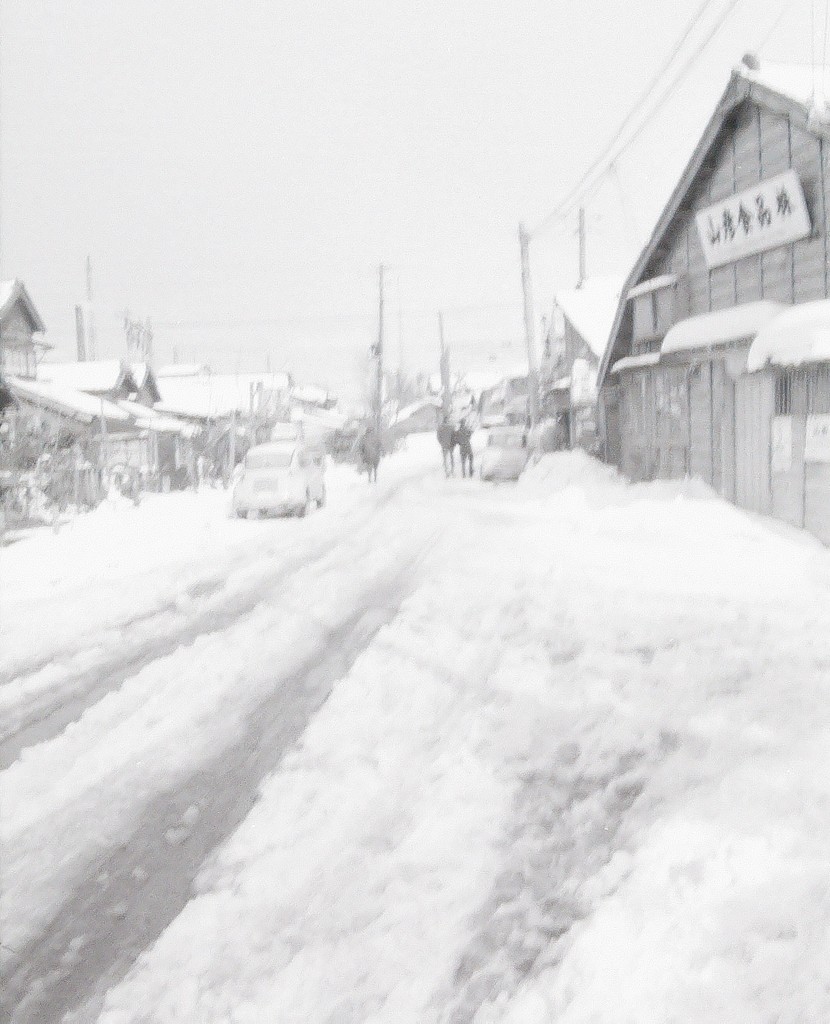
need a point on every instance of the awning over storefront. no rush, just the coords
(636, 362)
(654, 284)
(798, 335)
(711, 330)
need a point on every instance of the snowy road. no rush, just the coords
(442, 753)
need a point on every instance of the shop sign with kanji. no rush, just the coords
(767, 215)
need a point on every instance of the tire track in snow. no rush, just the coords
(45, 718)
(567, 829)
(137, 890)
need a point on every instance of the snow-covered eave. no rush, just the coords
(653, 284)
(645, 359)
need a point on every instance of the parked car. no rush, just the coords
(281, 477)
(506, 454)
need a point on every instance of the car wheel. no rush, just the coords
(304, 509)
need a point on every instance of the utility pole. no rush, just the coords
(379, 352)
(582, 240)
(446, 397)
(532, 372)
(90, 334)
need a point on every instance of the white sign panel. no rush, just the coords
(782, 444)
(767, 215)
(817, 442)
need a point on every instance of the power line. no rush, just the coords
(669, 92)
(582, 191)
(641, 99)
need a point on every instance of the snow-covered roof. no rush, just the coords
(636, 362)
(75, 404)
(415, 407)
(486, 379)
(14, 291)
(591, 308)
(799, 334)
(799, 82)
(150, 419)
(213, 395)
(182, 370)
(95, 377)
(310, 393)
(720, 327)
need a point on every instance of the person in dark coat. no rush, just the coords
(370, 453)
(447, 441)
(463, 438)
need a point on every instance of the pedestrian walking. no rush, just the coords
(447, 442)
(370, 453)
(463, 437)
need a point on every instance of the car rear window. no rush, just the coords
(268, 460)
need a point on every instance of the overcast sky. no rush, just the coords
(239, 168)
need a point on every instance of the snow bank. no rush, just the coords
(579, 778)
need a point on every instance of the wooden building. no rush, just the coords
(740, 248)
(574, 346)
(20, 330)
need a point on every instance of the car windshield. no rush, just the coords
(279, 459)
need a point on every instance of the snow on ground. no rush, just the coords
(580, 777)
(117, 579)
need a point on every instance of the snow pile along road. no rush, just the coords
(581, 776)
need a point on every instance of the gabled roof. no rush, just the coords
(76, 405)
(96, 377)
(149, 419)
(590, 308)
(213, 395)
(145, 378)
(14, 291)
(781, 88)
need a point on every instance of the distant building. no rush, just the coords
(20, 326)
(577, 338)
(111, 379)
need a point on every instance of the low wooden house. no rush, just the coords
(580, 324)
(738, 254)
(110, 379)
(21, 327)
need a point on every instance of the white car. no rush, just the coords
(506, 454)
(282, 476)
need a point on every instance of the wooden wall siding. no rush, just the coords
(788, 488)
(825, 178)
(700, 423)
(817, 500)
(809, 253)
(727, 433)
(753, 415)
(747, 148)
(755, 145)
